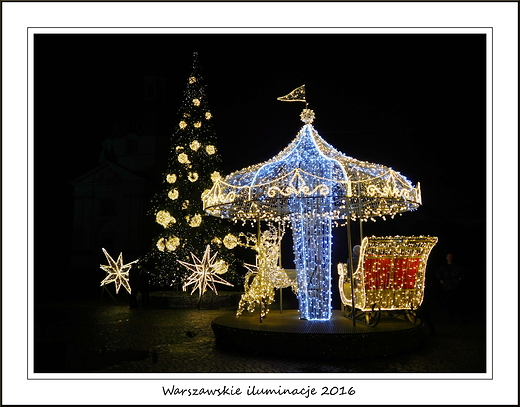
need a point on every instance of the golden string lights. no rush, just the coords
(192, 167)
(390, 275)
(266, 275)
(359, 189)
(311, 185)
(164, 218)
(117, 272)
(169, 244)
(195, 145)
(173, 194)
(205, 272)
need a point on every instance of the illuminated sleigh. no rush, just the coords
(389, 277)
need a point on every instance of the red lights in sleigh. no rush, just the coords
(390, 276)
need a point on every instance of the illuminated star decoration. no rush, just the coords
(204, 273)
(117, 272)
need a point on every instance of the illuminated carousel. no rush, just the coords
(312, 187)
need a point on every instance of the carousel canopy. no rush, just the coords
(311, 176)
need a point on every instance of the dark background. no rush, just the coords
(414, 102)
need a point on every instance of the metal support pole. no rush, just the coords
(109, 293)
(350, 265)
(359, 219)
(258, 235)
(280, 263)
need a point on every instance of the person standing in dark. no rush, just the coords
(356, 251)
(144, 282)
(133, 279)
(450, 276)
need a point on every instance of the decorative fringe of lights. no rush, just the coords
(360, 189)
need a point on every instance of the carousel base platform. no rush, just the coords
(285, 334)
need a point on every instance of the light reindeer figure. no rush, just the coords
(263, 278)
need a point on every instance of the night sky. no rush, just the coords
(416, 103)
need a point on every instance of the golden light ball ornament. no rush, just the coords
(171, 178)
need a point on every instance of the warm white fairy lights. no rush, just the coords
(117, 272)
(205, 272)
(170, 244)
(230, 241)
(311, 184)
(171, 178)
(193, 160)
(173, 194)
(307, 116)
(195, 145)
(195, 220)
(357, 188)
(164, 218)
(215, 176)
(390, 274)
(183, 158)
(259, 291)
(220, 267)
(262, 278)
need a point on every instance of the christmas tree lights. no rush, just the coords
(230, 241)
(117, 272)
(183, 158)
(195, 145)
(164, 218)
(173, 194)
(192, 167)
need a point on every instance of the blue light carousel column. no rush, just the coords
(311, 222)
(312, 243)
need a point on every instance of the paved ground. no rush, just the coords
(102, 336)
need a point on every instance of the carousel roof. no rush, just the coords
(311, 177)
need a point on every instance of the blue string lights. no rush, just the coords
(312, 231)
(310, 185)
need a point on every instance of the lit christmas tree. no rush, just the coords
(193, 165)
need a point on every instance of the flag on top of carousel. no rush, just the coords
(297, 95)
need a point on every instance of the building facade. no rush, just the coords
(112, 200)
